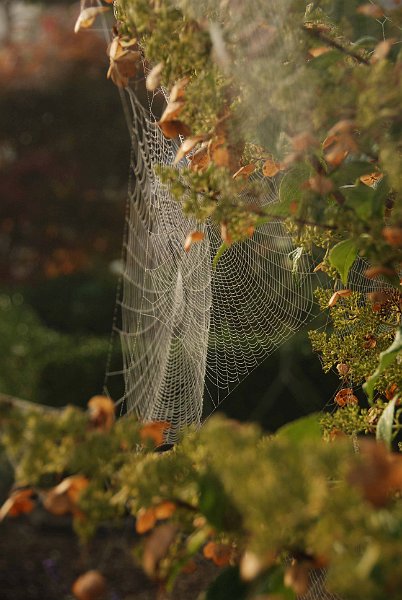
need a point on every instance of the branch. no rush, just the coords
(320, 35)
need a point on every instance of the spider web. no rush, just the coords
(190, 332)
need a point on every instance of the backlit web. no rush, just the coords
(190, 333)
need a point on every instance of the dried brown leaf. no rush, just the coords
(154, 77)
(90, 586)
(101, 412)
(393, 236)
(172, 129)
(244, 172)
(18, 503)
(145, 520)
(192, 238)
(382, 50)
(178, 90)
(220, 554)
(270, 168)
(165, 510)
(187, 146)
(371, 10)
(154, 431)
(157, 546)
(87, 17)
(320, 185)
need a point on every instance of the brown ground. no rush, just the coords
(40, 558)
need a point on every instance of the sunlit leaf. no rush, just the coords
(270, 168)
(178, 90)
(385, 424)
(244, 172)
(342, 256)
(145, 520)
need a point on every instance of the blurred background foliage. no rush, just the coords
(64, 159)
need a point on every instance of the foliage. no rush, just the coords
(58, 369)
(299, 499)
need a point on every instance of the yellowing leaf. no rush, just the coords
(87, 17)
(193, 237)
(154, 77)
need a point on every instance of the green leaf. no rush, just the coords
(342, 256)
(272, 582)
(304, 429)
(221, 250)
(385, 424)
(216, 506)
(386, 359)
(227, 586)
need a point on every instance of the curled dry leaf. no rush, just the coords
(192, 238)
(225, 234)
(90, 586)
(157, 546)
(19, 502)
(172, 110)
(187, 146)
(369, 342)
(172, 129)
(391, 391)
(63, 498)
(371, 10)
(337, 295)
(371, 179)
(178, 90)
(218, 152)
(270, 168)
(244, 172)
(101, 412)
(200, 159)
(220, 554)
(145, 520)
(124, 61)
(165, 510)
(382, 50)
(154, 431)
(345, 397)
(343, 369)
(87, 17)
(318, 51)
(393, 236)
(153, 80)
